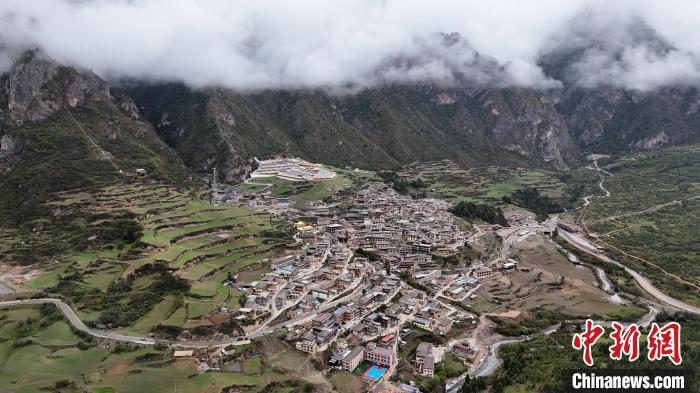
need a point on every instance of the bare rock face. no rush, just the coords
(128, 106)
(588, 119)
(8, 146)
(37, 87)
(608, 119)
(526, 122)
(652, 142)
(9, 152)
(444, 99)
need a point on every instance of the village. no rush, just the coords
(369, 271)
(358, 285)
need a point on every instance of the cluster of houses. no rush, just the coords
(434, 317)
(410, 235)
(294, 169)
(340, 287)
(305, 277)
(355, 318)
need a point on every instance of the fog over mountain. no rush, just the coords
(349, 45)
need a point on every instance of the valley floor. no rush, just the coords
(195, 274)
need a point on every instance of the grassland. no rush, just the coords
(446, 180)
(345, 382)
(177, 230)
(40, 353)
(647, 179)
(650, 219)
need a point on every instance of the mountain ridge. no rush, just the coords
(390, 126)
(60, 126)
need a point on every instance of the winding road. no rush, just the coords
(492, 361)
(74, 320)
(587, 199)
(585, 246)
(589, 248)
(77, 323)
(72, 317)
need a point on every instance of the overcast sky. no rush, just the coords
(334, 44)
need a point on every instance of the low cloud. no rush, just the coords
(250, 45)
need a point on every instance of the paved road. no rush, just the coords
(266, 185)
(492, 361)
(585, 246)
(324, 307)
(78, 324)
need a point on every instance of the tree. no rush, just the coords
(482, 211)
(541, 205)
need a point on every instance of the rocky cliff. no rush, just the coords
(378, 128)
(389, 126)
(62, 128)
(78, 128)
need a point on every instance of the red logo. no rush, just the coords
(586, 340)
(624, 342)
(665, 342)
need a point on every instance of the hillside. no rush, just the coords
(380, 128)
(61, 129)
(393, 125)
(66, 128)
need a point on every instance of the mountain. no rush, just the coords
(62, 128)
(393, 125)
(390, 125)
(611, 120)
(377, 128)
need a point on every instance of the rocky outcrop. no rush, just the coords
(609, 120)
(61, 128)
(38, 87)
(9, 153)
(9, 146)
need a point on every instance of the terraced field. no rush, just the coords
(40, 353)
(447, 180)
(198, 242)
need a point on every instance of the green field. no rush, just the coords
(302, 191)
(650, 219)
(178, 231)
(446, 180)
(53, 361)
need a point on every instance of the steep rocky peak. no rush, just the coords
(37, 86)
